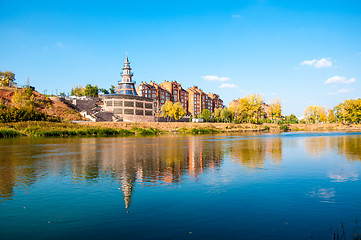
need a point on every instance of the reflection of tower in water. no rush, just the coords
(157, 161)
(127, 189)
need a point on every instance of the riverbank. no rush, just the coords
(47, 129)
(228, 127)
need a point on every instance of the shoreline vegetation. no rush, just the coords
(58, 129)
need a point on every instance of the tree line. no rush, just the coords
(250, 109)
(347, 112)
(90, 91)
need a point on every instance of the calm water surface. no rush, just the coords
(288, 186)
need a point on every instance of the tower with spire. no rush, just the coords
(127, 85)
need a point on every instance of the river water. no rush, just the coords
(286, 186)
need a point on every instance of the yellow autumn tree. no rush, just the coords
(77, 91)
(275, 109)
(24, 98)
(349, 111)
(247, 108)
(177, 111)
(167, 109)
(315, 114)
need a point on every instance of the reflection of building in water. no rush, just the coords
(252, 152)
(130, 161)
(127, 188)
(152, 161)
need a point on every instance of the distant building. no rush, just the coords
(193, 100)
(178, 94)
(126, 104)
(216, 101)
(155, 92)
(199, 100)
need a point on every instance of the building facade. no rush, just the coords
(199, 100)
(193, 100)
(126, 104)
(178, 94)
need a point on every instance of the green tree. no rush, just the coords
(91, 91)
(217, 114)
(112, 89)
(206, 115)
(103, 90)
(226, 115)
(292, 119)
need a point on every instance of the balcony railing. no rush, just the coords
(132, 82)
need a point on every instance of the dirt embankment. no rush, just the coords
(50, 106)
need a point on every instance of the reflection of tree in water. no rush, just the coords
(252, 152)
(349, 146)
(16, 168)
(274, 150)
(316, 145)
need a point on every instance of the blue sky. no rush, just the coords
(303, 52)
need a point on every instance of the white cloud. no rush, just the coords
(228, 85)
(236, 16)
(338, 79)
(215, 78)
(341, 91)
(321, 63)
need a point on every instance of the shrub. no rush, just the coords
(147, 131)
(284, 128)
(13, 114)
(197, 130)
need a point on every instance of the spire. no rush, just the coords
(126, 59)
